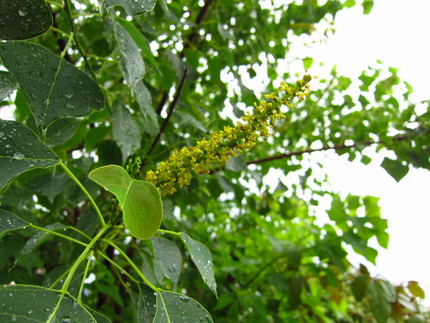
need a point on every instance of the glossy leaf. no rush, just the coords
(49, 185)
(21, 150)
(54, 88)
(144, 303)
(23, 303)
(140, 200)
(61, 130)
(395, 168)
(8, 84)
(178, 308)
(125, 130)
(10, 222)
(139, 39)
(41, 237)
(202, 258)
(24, 19)
(133, 7)
(143, 97)
(168, 259)
(132, 63)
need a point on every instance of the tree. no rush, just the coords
(128, 195)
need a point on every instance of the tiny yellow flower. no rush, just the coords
(177, 170)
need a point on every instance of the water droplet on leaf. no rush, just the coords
(18, 156)
(22, 12)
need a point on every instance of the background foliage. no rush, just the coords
(96, 84)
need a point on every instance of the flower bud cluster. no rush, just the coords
(179, 168)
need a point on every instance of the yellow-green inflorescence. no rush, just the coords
(178, 169)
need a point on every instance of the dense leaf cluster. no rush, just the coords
(104, 92)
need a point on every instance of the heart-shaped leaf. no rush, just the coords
(21, 150)
(395, 168)
(24, 19)
(202, 258)
(54, 88)
(20, 303)
(140, 200)
(178, 308)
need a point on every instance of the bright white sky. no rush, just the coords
(396, 32)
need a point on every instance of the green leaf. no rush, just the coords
(8, 84)
(125, 130)
(132, 63)
(178, 308)
(337, 211)
(61, 130)
(139, 40)
(21, 150)
(307, 62)
(22, 109)
(417, 318)
(395, 168)
(202, 258)
(23, 303)
(10, 222)
(381, 294)
(383, 239)
(349, 3)
(359, 286)
(415, 289)
(143, 97)
(133, 7)
(54, 88)
(168, 259)
(41, 237)
(144, 303)
(24, 19)
(367, 6)
(140, 200)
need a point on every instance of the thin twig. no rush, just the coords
(170, 112)
(187, 43)
(192, 37)
(67, 9)
(336, 147)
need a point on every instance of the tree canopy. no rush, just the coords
(134, 175)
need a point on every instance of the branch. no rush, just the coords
(192, 37)
(68, 10)
(170, 112)
(336, 147)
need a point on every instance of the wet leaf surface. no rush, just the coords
(24, 19)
